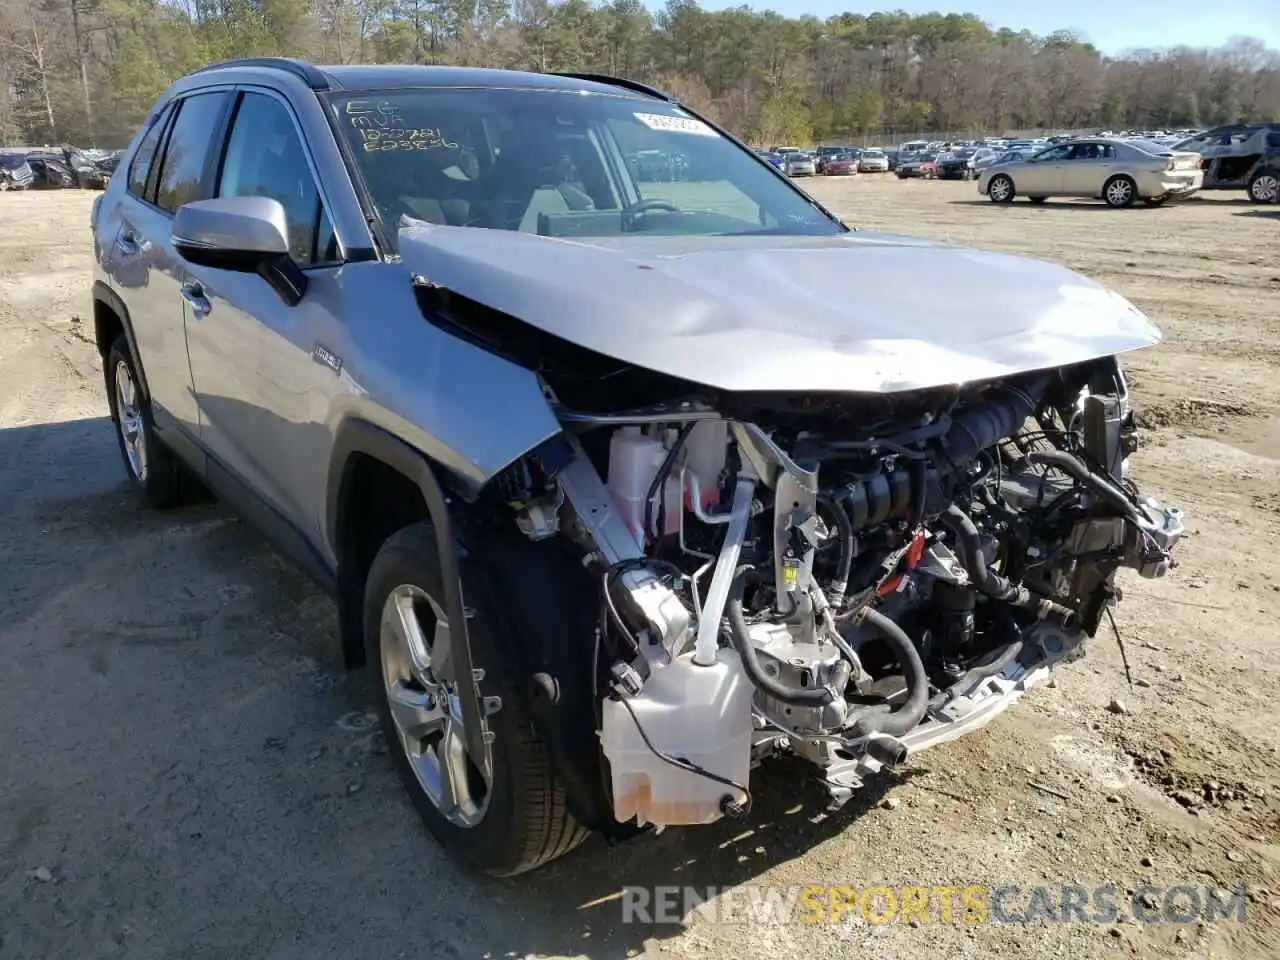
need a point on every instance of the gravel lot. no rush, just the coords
(186, 770)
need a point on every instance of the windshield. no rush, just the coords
(562, 164)
(11, 161)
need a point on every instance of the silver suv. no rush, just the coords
(623, 484)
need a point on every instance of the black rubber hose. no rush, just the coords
(844, 528)
(738, 633)
(978, 428)
(980, 672)
(664, 470)
(992, 584)
(883, 718)
(1075, 468)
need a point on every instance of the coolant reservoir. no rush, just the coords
(634, 460)
(700, 714)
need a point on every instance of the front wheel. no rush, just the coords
(1000, 189)
(501, 814)
(1120, 191)
(1264, 187)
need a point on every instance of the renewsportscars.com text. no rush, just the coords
(962, 904)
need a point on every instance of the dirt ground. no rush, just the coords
(185, 769)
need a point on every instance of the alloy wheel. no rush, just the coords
(129, 421)
(1119, 192)
(1265, 188)
(425, 709)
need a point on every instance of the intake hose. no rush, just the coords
(882, 718)
(978, 428)
(741, 638)
(844, 529)
(992, 584)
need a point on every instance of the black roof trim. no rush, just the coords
(304, 71)
(623, 82)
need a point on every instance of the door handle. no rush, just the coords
(193, 292)
(127, 243)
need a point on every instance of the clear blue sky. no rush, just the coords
(1110, 25)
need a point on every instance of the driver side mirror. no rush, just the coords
(241, 234)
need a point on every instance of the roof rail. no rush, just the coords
(304, 71)
(635, 85)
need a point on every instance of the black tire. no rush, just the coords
(1264, 187)
(160, 477)
(1120, 191)
(1001, 194)
(1037, 199)
(526, 822)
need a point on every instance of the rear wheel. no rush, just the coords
(1120, 191)
(1000, 189)
(157, 474)
(1264, 187)
(501, 814)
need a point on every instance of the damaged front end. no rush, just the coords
(850, 578)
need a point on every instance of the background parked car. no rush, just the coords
(1118, 171)
(51, 172)
(918, 166)
(873, 161)
(957, 164)
(840, 164)
(1264, 182)
(797, 163)
(822, 154)
(15, 172)
(984, 157)
(1233, 153)
(93, 168)
(769, 155)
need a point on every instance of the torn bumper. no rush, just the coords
(1045, 647)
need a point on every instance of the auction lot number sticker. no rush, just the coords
(661, 121)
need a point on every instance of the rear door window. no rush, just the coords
(1054, 154)
(183, 175)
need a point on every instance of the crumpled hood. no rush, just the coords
(856, 312)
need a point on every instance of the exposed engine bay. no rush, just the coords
(849, 578)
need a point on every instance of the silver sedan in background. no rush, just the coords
(798, 164)
(873, 161)
(1120, 172)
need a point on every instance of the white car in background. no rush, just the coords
(873, 161)
(1120, 172)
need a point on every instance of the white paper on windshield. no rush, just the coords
(661, 121)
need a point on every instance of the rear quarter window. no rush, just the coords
(140, 166)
